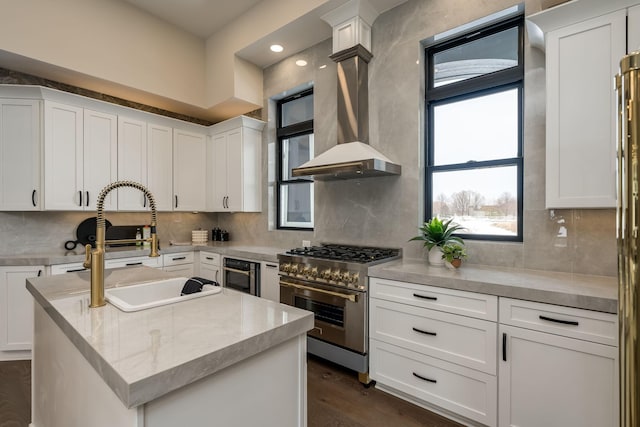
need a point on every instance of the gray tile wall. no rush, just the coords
(380, 211)
(386, 211)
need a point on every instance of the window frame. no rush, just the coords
(485, 84)
(287, 132)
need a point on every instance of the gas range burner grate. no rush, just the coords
(357, 254)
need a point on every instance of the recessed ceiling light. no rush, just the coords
(301, 62)
(276, 48)
(323, 66)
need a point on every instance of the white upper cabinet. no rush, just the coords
(633, 29)
(100, 157)
(63, 157)
(189, 171)
(132, 163)
(160, 165)
(584, 44)
(236, 155)
(80, 149)
(20, 155)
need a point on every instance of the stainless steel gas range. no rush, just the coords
(331, 280)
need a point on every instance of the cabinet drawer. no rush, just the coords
(566, 321)
(178, 258)
(209, 258)
(67, 268)
(457, 339)
(133, 261)
(464, 391)
(471, 304)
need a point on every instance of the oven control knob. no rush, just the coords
(345, 277)
(355, 278)
(306, 271)
(293, 269)
(314, 272)
(286, 267)
(336, 276)
(326, 274)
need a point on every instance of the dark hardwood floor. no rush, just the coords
(15, 393)
(335, 398)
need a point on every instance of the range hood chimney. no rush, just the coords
(353, 157)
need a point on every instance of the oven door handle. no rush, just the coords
(352, 298)
(235, 270)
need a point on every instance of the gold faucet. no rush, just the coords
(94, 259)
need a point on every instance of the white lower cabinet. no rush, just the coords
(269, 281)
(551, 379)
(210, 267)
(148, 261)
(421, 350)
(179, 263)
(16, 311)
(542, 365)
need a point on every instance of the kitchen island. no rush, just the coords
(229, 359)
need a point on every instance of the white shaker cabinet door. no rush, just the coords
(16, 307)
(63, 157)
(132, 163)
(20, 147)
(100, 158)
(582, 60)
(160, 165)
(269, 281)
(218, 196)
(189, 174)
(554, 381)
(633, 29)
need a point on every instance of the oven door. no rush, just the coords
(340, 314)
(243, 276)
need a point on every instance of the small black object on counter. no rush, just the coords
(195, 284)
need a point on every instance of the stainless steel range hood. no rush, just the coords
(353, 157)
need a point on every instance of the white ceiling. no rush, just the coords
(198, 17)
(203, 18)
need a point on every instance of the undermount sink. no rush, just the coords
(154, 294)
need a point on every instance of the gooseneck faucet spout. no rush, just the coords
(95, 258)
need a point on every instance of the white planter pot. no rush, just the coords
(435, 256)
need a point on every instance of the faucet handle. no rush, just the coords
(87, 256)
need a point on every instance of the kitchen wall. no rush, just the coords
(46, 232)
(386, 211)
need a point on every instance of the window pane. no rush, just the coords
(483, 56)
(484, 201)
(295, 151)
(476, 129)
(296, 205)
(298, 110)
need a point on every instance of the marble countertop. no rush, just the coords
(61, 256)
(598, 293)
(146, 354)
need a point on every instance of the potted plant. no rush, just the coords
(453, 254)
(436, 234)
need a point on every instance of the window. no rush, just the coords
(295, 147)
(474, 103)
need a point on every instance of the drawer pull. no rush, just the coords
(504, 347)
(179, 258)
(133, 263)
(209, 258)
(76, 270)
(425, 297)
(425, 332)
(564, 322)
(424, 378)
